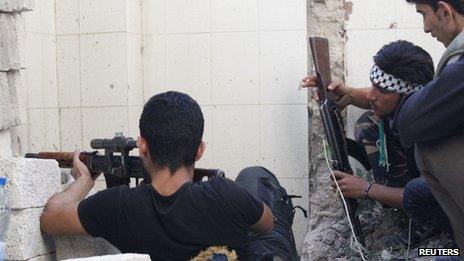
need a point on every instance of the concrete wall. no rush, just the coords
(242, 60)
(91, 65)
(11, 79)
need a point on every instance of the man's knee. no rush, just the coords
(416, 195)
(366, 128)
(252, 170)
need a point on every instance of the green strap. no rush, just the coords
(382, 146)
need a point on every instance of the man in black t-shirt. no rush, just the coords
(171, 218)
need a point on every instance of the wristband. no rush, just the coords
(367, 188)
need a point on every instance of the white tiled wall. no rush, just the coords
(93, 64)
(368, 31)
(42, 115)
(242, 61)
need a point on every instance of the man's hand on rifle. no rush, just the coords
(311, 82)
(351, 186)
(80, 170)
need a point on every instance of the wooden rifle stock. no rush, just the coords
(330, 106)
(99, 163)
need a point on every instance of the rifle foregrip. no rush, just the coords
(64, 159)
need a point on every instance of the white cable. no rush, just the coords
(358, 247)
(409, 239)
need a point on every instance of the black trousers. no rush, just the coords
(262, 184)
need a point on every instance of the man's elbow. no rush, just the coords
(269, 226)
(266, 222)
(48, 217)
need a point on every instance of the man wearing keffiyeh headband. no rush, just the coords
(400, 68)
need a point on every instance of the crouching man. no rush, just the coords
(172, 218)
(400, 68)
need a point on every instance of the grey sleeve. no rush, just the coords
(434, 112)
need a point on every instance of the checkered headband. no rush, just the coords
(390, 83)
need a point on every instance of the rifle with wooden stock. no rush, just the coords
(330, 106)
(117, 166)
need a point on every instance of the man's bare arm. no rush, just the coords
(60, 215)
(354, 186)
(358, 96)
(265, 223)
(387, 195)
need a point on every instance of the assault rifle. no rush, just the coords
(330, 106)
(117, 166)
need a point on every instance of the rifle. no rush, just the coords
(117, 166)
(330, 106)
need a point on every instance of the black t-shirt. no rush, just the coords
(176, 227)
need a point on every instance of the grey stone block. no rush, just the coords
(82, 246)
(16, 5)
(11, 110)
(121, 257)
(11, 36)
(24, 239)
(31, 182)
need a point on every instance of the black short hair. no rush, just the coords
(406, 61)
(458, 5)
(172, 123)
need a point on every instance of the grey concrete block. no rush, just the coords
(11, 36)
(5, 143)
(11, 110)
(47, 257)
(16, 5)
(31, 182)
(82, 246)
(9, 114)
(24, 240)
(121, 257)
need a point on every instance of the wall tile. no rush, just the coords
(36, 125)
(283, 61)
(71, 129)
(407, 17)
(134, 69)
(52, 130)
(103, 123)
(366, 14)
(282, 14)
(154, 65)
(134, 117)
(103, 67)
(34, 72)
(33, 19)
(68, 71)
(48, 69)
(206, 160)
(236, 137)
(48, 17)
(238, 15)
(426, 41)
(67, 17)
(284, 139)
(153, 13)
(235, 67)
(102, 16)
(133, 17)
(360, 60)
(188, 65)
(187, 16)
